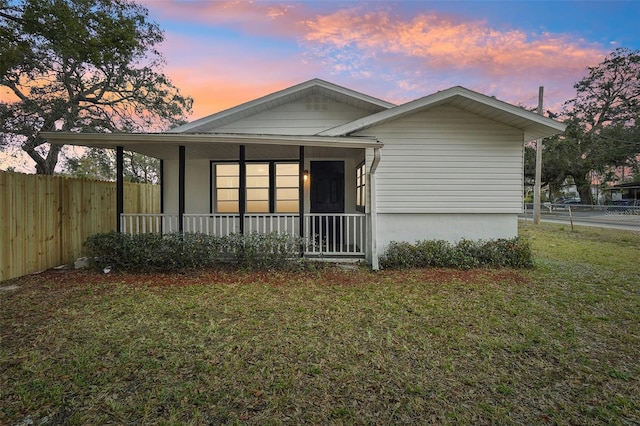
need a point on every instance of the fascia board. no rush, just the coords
(112, 140)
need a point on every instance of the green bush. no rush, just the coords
(466, 254)
(263, 251)
(179, 251)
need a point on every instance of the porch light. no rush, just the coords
(305, 175)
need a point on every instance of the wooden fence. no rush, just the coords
(44, 220)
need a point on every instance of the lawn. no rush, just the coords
(556, 344)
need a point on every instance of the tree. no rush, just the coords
(602, 122)
(81, 66)
(101, 164)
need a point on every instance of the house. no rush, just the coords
(346, 171)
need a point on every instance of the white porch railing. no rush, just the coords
(268, 223)
(325, 234)
(134, 223)
(212, 224)
(335, 233)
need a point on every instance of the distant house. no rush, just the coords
(345, 170)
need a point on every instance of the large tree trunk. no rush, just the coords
(44, 165)
(583, 184)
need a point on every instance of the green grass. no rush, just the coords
(556, 344)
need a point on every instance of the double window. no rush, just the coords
(271, 187)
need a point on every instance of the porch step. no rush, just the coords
(346, 263)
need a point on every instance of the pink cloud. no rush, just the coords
(274, 19)
(398, 58)
(445, 44)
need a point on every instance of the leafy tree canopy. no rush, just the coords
(99, 163)
(602, 124)
(81, 66)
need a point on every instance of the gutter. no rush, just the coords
(373, 210)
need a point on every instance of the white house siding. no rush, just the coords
(197, 176)
(447, 174)
(307, 116)
(448, 161)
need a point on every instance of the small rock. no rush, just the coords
(9, 287)
(81, 263)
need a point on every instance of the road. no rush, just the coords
(614, 220)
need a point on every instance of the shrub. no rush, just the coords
(178, 251)
(263, 251)
(515, 252)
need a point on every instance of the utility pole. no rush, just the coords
(537, 204)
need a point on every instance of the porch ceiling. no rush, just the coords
(216, 146)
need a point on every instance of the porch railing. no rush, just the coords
(134, 223)
(335, 233)
(212, 224)
(325, 234)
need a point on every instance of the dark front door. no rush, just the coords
(327, 196)
(327, 187)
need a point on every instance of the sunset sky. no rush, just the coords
(223, 53)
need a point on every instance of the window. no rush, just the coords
(287, 184)
(361, 180)
(271, 187)
(258, 188)
(227, 187)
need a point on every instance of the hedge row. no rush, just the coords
(179, 251)
(466, 254)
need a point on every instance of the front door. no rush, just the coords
(327, 196)
(327, 187)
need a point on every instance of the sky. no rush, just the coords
(223, 53)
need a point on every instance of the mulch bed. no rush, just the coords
(331, 275)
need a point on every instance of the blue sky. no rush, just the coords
(226, 52)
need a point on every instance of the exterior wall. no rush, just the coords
(447, 161)
(449, 227)
(197, 187)
(306, 116)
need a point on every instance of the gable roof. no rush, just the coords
(533, 125)
(299, 91)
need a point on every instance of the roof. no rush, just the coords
(534, 126)
(206, 145)
(299, 91)
(201, 140)
(626, 185)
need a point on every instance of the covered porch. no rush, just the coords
(312, 187)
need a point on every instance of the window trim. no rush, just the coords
(361, 194)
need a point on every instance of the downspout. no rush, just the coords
(373, 209)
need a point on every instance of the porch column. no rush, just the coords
(119, 186)
(181, 186)
(161, 186)
(243, 187)
(301, 192)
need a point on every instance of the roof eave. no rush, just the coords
(113, 140)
